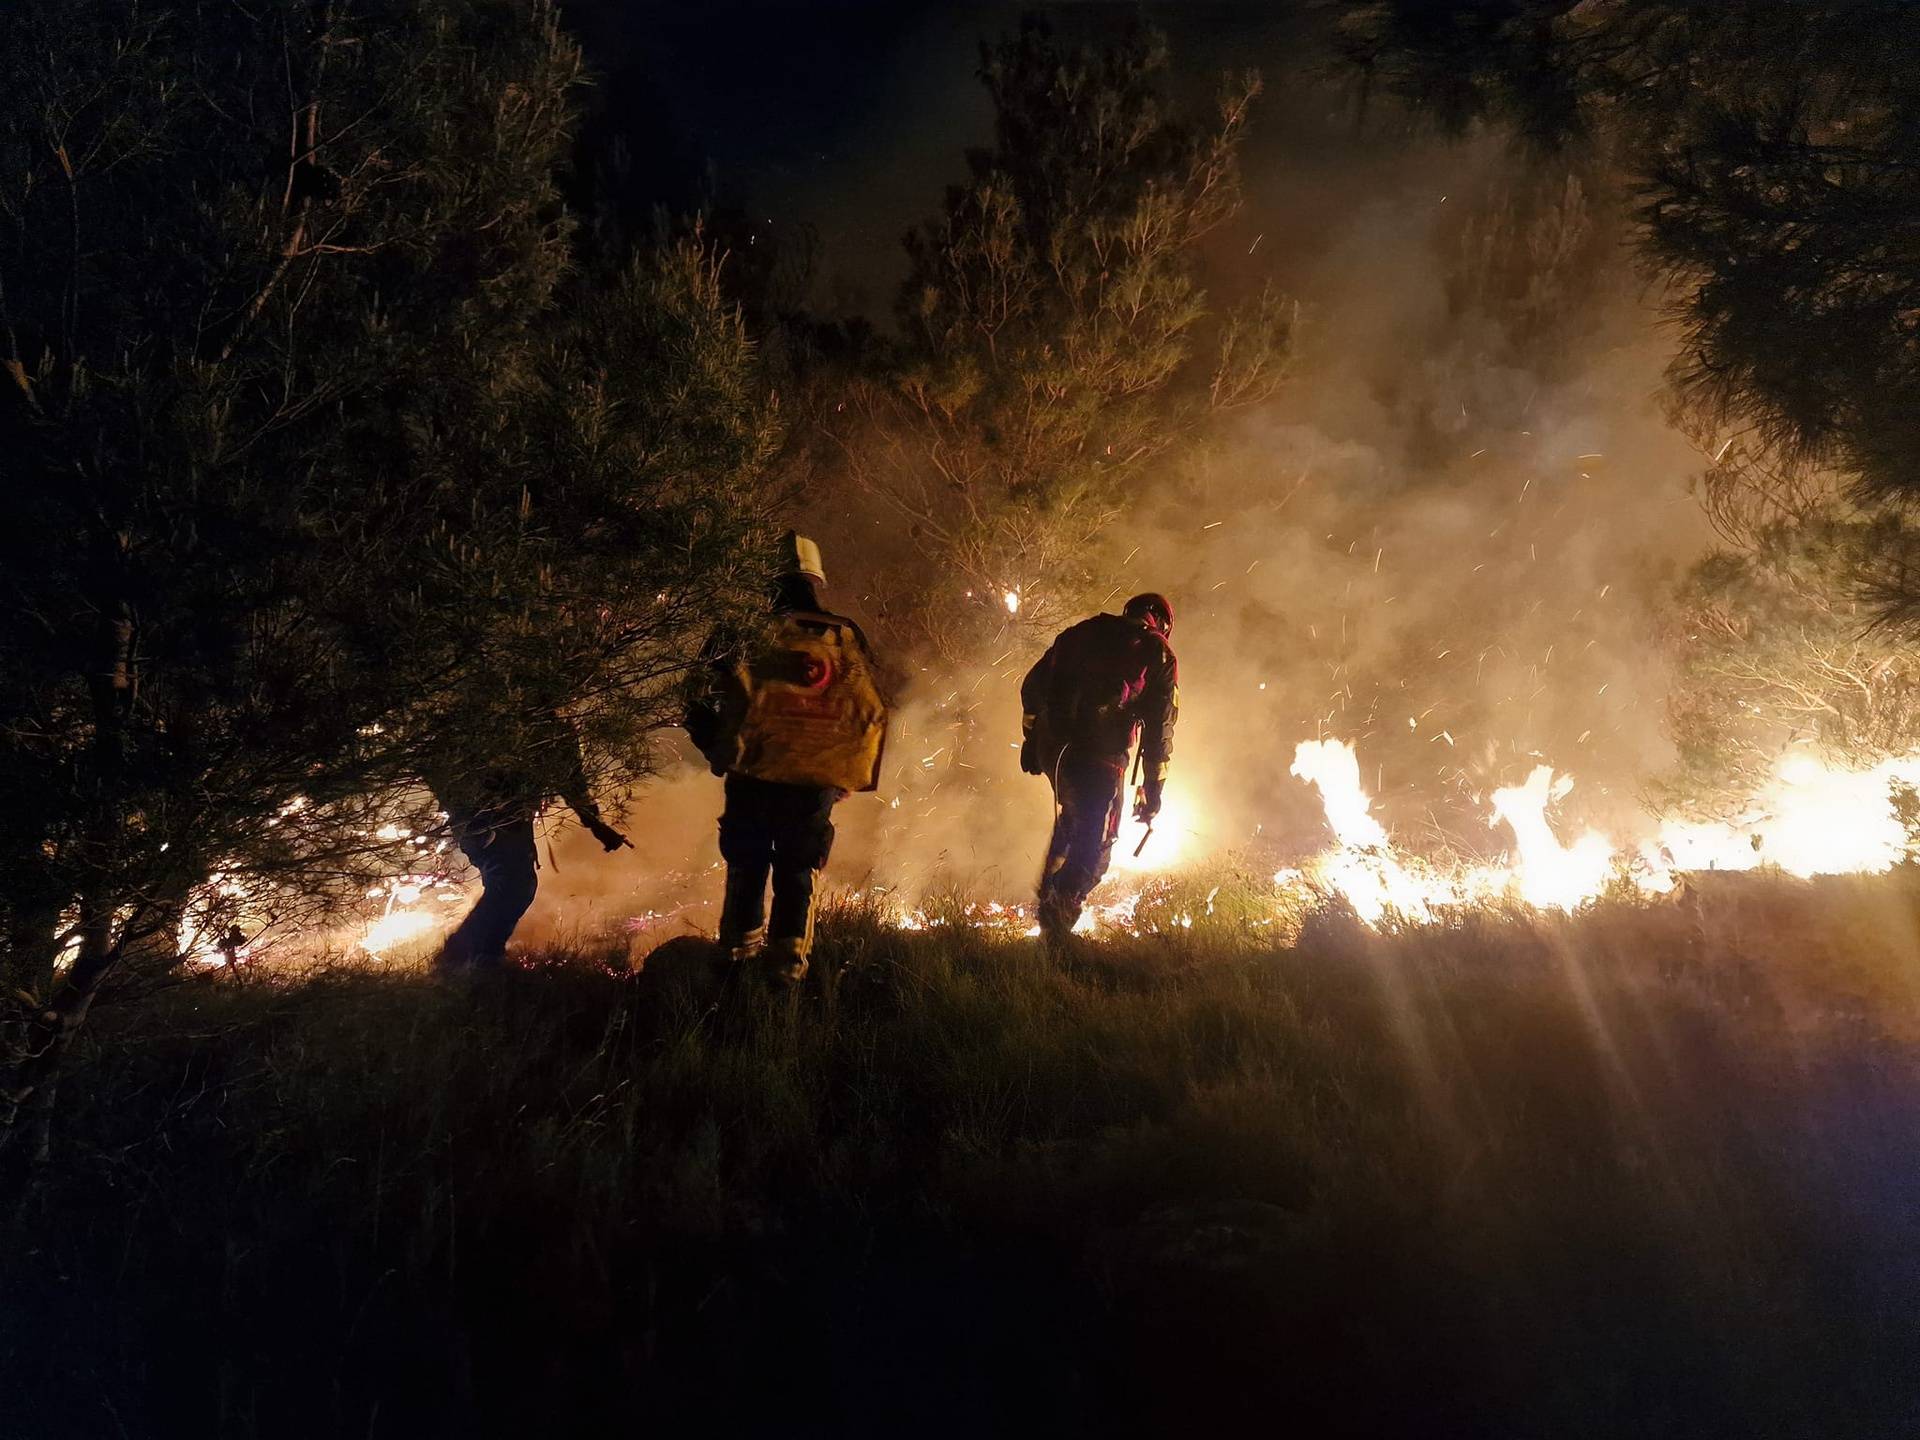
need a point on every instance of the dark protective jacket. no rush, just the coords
(528, 765)
(1101, 684)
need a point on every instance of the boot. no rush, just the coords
(791, 948)
(786, 959)
(1057, 914)
(743, 912)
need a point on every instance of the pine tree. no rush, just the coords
(1774, 646)
(1056, 341)
(324, 447)
(1771, 145)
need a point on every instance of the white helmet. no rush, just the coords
(801, 556)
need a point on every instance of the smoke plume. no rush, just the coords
(1447, 542)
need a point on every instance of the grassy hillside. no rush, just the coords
(1651, 1171)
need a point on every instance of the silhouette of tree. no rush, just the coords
(328, 452)
(1055, 339)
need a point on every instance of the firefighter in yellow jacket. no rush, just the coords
(794, 720)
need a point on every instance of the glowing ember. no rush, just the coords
(1810, 819)
(1012, 601)
(396, 928)
(1550, 875)
(208, 929)
(1377, 882)
(1331, 767)
(1362, 868)
(416, 907)
(1171, 845)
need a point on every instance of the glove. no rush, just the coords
(610, 839)
(1146, 804)
(1030, 757)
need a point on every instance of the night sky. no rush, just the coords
(851, 118)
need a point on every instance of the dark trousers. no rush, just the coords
(782, 831)
(502, 850)
(1087, 795)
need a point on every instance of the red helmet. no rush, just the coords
(1151, 609)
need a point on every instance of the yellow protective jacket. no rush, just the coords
(799, 703)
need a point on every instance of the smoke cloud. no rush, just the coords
(1447, 542)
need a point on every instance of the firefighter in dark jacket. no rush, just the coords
(491, 809)
(1102, 684)
(793, 719)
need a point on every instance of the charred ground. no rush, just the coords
(1643, 1171)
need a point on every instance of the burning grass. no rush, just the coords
(1647, 1169)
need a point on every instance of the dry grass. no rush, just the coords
(1648, 1171)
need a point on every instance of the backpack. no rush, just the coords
(801, 707)
(1097, 678)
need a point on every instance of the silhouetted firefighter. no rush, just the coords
(1102, 684)
(793, 717)
(490, 814)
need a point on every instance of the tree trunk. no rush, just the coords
(26, 1090)
(27, 964)
(26, 1100)
(153, 945)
